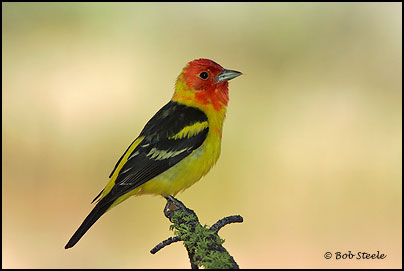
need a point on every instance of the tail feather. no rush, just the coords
(94, 215)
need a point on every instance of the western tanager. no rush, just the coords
(178, 145)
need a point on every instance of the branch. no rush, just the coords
(225, 221)
(204, 246)
(167, 242)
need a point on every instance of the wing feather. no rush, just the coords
(171, 135)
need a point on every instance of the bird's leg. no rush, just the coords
(172, 205)
(177, 203)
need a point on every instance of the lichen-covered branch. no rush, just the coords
(225, 221)
(167, 242)
(203, 244)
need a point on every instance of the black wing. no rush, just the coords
(159, 151)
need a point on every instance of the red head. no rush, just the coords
(205, 83)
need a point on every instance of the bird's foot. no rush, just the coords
(173, 205)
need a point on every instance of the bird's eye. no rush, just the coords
(204, 75)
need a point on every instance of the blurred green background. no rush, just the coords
(312, 143)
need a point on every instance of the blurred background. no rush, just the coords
(312, 143)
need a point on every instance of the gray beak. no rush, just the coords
(227, 75)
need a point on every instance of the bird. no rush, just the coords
(176, 147)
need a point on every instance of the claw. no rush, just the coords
(172, 205)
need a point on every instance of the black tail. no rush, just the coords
(95, 214)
